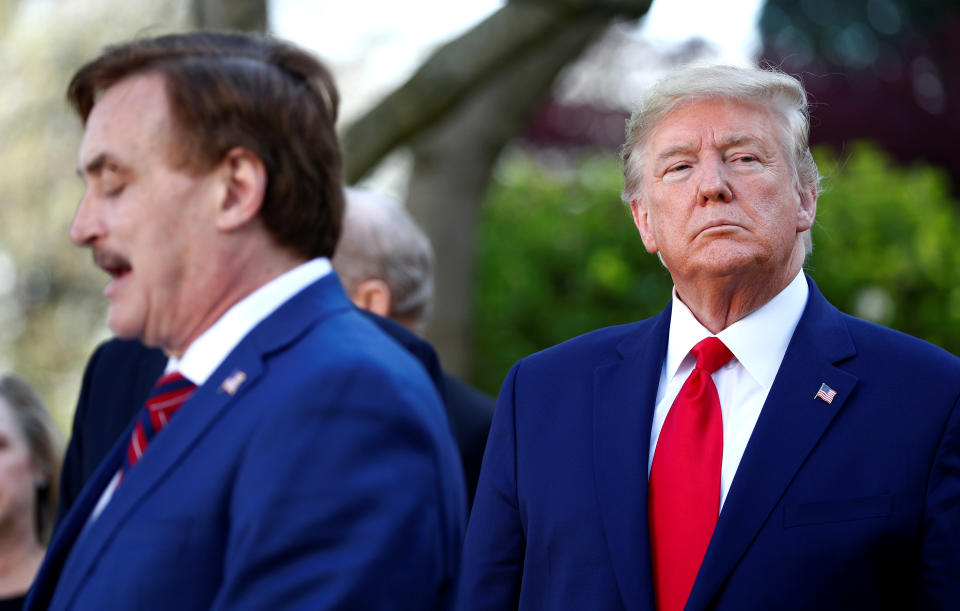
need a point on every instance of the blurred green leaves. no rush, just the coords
(885, 244)
(560, 256)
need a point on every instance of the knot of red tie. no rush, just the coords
(711, 354)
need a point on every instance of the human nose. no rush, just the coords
(714, 186)
(87, 223)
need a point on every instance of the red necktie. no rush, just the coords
(171, 391)
(684, 497)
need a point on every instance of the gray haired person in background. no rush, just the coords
(385, 262)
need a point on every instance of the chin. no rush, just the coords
(728, 260)
(122, 326)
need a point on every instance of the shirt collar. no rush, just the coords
(758, 341)
(208, 351)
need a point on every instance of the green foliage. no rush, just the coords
(885, 244)
(560, 256)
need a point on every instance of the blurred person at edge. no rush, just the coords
(750, 447)
(30, 447)
(385, 262)
(292, 456)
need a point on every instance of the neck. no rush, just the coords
(20, 558)
(247, 270)
(718, 302)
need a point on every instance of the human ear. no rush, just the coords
(41, 477)
(641, 218)
(245, 181)
(807, 210)
(374, 296)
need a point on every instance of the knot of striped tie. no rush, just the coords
(170, 393)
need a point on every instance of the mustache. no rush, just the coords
(110, 261)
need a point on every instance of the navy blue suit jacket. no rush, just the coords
(328, 480)
(468, 410)
(849, 505)
(116, 383)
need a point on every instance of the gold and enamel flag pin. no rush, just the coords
(826, 394)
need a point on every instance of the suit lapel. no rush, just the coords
(149, 368)
(202, 410)
(790, 425)
(41, 592)
(166, 451)
(624, 395)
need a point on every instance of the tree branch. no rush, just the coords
(460, 66)
(453, 160)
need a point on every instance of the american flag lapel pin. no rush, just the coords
(826, 394)
(233, 382)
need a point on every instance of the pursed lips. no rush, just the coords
(720, 223)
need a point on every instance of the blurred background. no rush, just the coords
(498, 123)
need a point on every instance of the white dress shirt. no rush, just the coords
(758, 342)
(208, 351)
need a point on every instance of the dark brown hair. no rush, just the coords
(229, 90)
(44, 442)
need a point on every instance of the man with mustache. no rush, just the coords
(750, 447)
(292, 456)
(385, 263)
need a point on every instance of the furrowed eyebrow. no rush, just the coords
(676, 149)
(741, 139)
(726, 142)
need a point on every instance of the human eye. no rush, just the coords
(744, 158)
(675, 171)
(111, 182)
(678, 167)
(113, 191)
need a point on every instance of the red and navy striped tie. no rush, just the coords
(171, 391)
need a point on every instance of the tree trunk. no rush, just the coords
(460, 67)
(453, 162)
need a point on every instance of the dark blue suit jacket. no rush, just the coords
(116, 383)
(842, 506)
(121, 373)
(328, 480)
